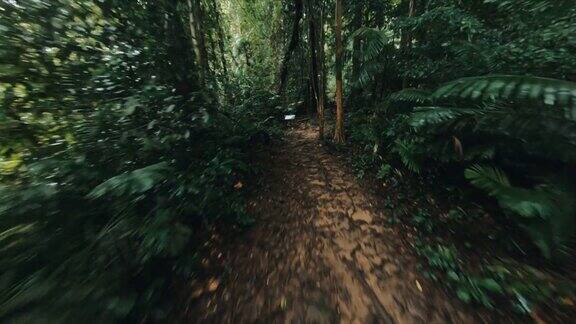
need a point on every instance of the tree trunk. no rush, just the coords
(221, 47)
(315, 66)
(220, 38)
(291, 46)
(180, 53)
(356, 24)
(213, 59)
(247, 56)
(197, 35)
(408, 38)
(339, 129)
(321, 75)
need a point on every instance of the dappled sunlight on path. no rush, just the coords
(321, 252)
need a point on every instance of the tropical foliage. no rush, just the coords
(503, 118)
(116, 160)
(127, 127)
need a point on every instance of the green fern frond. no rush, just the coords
(137, 181)
(547, 212)
(533, 6)
(367, 72)
(536, 90)
(428, 116)
(407, 150)
(490, 179)
(416, 96)
(524, 202)
(375, 40)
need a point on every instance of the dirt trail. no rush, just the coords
(321, 252)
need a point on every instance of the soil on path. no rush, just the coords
(321, 252)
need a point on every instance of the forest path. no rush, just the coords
(321, 252)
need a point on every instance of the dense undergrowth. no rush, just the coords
(514, 251)
(477, 114)
(117, 160)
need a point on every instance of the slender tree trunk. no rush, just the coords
(339, 129)
(321, 74)
(221, 47)
(201, 35)
(304, 82)
(220, 38)
(356, 24)
(197, 35)
(408, 38)
(291, 46)
(314, 63)
(247, 56)
(213, 59)
(181, 54)
(378, 20)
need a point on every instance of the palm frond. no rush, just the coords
(510, 88)
(374, 42)
(408, 152)
(368, 71)
(547, 212)
(492, 180)
(416, 96)
(435, 115)
(135, 182)
(533, 6)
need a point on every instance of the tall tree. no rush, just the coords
(339, 129)
(321, 74)
(197, 37)
(356, 43)
(291, 46)
(221, 39)
(314, 65)
(407, 41)
(178, 47)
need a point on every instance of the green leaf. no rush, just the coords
(10, 70)
(491, 285)
(544, 92)
(463, 295)
(135, 182)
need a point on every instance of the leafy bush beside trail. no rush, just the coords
(117, 161)
(518, 125)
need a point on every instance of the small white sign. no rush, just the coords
(289, 117)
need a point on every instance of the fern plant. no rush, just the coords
(376, 43)
(546, 212)
(413, 96)
(524, 124)
(542, 92)
(517, 110)
(409, 153)
(124, 164)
